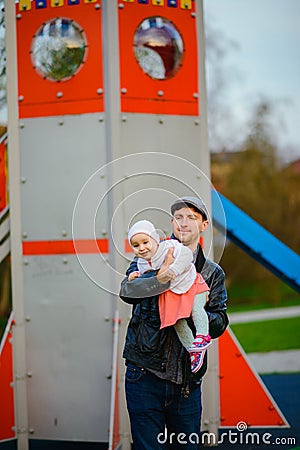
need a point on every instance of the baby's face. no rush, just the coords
(143, 246)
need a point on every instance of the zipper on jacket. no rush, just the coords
(164, 363)
(185, 391)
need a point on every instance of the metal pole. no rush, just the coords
(112, 121)
(20, 389)
(114, 381)
(210, 394)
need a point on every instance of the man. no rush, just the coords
(161, 391)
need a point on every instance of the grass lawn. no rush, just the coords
(263, 305)
(3, 322)
(269, 335)
(250, 296)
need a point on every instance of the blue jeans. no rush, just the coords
(160, 416)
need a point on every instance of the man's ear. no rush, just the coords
(205, 224)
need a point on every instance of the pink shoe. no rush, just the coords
(197, 359)
(200, 343)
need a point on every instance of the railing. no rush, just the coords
(4, 234)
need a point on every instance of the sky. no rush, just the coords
(264, 62)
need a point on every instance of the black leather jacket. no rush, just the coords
(148, 346)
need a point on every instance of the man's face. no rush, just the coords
(188, 224)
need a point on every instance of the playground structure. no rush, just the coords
(259, 243)
(92, 143)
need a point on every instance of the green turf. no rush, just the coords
(262, 305)
(3, 322)
(244, 296)
(269, 335)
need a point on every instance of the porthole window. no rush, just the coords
(58, 49)
(158, 48)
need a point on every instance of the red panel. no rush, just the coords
(80, 92)
(244, 397)
(65, 247)
(7, 393)
(2, 177)
(141, 90)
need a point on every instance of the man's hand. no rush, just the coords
(164, 275)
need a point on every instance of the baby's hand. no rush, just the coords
(169, 273)
(133, 275)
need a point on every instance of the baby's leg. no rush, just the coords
(200, 319)
(199, 315)
(203, 339)
(184, 333)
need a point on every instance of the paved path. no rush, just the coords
(264, 314)
(287, 361)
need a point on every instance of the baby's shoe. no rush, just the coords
(200, 343)
(197, 359)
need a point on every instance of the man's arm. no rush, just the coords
(216, 304)
(147, 285)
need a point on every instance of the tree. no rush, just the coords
(220, 76)
(257, 182)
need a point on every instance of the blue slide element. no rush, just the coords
(256, 240)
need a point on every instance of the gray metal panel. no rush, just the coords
(146, 184)
(69, 327)
(69, 350)
(188, 174)
(58, 155)
(177, 135)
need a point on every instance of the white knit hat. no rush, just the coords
(145, 227)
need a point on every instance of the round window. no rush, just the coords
(58, 49)
(158, 48)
